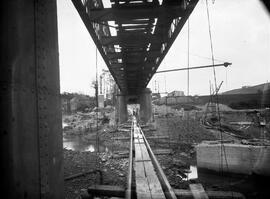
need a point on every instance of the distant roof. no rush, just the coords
(249, 89)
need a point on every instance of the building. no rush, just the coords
(176, 93)
(106, 85)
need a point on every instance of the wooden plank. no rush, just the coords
(158, 137)
(154, 184)
(121, 138)
(197, 191)
(142, 189)
(139, 170)
(168, 191)
(125, 154)
(117, 191)
(107, 190)
(141, 140)
(136, 141)
(186, 194)
(162, 151)
(144, 152)
(138, 152)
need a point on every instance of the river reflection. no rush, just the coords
(76, 143)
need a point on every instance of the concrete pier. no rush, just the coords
(31, 138)
(121, 109)
(145, 101)
(233, 158)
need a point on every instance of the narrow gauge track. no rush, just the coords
(150, 180)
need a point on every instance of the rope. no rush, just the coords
(188, 39)
(97, 134)
(215, 81)
(222, 147)
(188, 58)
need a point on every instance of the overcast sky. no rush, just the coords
(240, 32)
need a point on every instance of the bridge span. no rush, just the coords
(133, 37)
(31, 139)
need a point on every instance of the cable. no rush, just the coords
(97, 134)
(188, 35)
(215, 80)
(222, 147)
(188, 58)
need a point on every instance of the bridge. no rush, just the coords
(133, 37)
(31, 139)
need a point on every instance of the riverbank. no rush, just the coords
(179, 134)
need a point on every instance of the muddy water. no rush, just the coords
(193, 174)
(76, 143)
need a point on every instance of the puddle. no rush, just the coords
(193, 174)
(76, 143)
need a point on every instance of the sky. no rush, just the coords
(240, 35)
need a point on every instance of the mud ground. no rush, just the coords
(183, 134)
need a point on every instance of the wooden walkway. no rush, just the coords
(147, 183)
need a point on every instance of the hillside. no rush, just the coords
(249, 89)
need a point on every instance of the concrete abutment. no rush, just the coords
(145, 100)
(121, 109)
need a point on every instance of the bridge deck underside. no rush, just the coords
(133, 36)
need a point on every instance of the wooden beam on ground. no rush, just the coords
(79, 175)
(154, 184)
(157, 137)
(142, 187)
(186, 194)
(124, 154)
(197, 191)
(117, 191)
(106, 190)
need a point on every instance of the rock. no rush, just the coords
(103, 160)
(179, 162)
(179, 176)
(187, 171)
(184, 154)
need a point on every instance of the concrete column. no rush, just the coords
(146, 105)
(121, 109)
(30, 126)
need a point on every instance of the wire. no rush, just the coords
(188, 35)
(215, 81)
(222, 147)
(97, 134)
(188, 58)
(203, 57)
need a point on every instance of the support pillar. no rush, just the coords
(121, 109)
(146, 106)
(30, 126)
